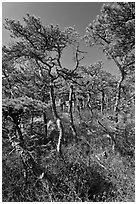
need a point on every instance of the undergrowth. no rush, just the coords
(75, 178)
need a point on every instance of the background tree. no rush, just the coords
(114, 31)
(100, 87)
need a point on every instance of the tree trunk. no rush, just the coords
(88, 104)
(32, 120)
(17, 128)
(102, 101)
(78, 106)
(20, 136)
(45, 124)
(118, 95)
(71, 93)
(56, 117)
(107, 102)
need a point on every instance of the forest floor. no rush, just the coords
(84, 174)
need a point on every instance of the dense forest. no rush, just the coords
(69, 134)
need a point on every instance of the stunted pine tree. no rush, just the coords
(43, 45)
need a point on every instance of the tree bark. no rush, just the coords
(57, 118)
(71, 93)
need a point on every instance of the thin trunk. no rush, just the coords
(89, 105)
(102, 101)
(56, 117)
(79, 111)
(60, 128)
(118, 95)
(71, 93)
(107, 103)
(20, 136)
(32, 121)
(61, 102)
(53, 101)
(45, 124)
(78, 107)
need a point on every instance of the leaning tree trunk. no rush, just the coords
(71, 93)
(118, 95)
(57, 118)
